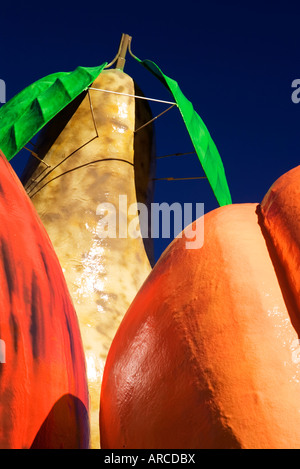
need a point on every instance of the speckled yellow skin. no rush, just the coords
(103, 275)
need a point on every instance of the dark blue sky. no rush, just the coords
(234, 61)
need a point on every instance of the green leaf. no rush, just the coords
(27, 112)
(203, 143)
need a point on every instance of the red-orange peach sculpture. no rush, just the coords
(207, 355)
(43, 384)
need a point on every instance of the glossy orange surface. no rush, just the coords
(207, 355)
(281, 213)
(43, 385)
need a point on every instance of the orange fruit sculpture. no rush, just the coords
(43, 384)
(207, 356)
